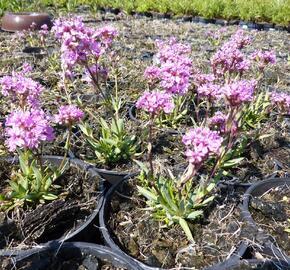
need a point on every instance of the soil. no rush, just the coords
(25, 227)
(271, 212)
(135, 231)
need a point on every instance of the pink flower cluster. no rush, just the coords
(281, 100)
(81, 43)
(27, 129)
(200, 79)
(210, 91)
(106, 34)
(239, 92)
(155, 102)
(229, 58)
(264, 58)
(168, 50)
(68, 114)
(44, 31)
(201, 143)
(173, 68)
(218, 121)
(22, 89)
(97, 71)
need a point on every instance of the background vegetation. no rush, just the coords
(275, 11)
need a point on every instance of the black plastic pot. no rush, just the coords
(113, 177)
(205, 20)
(256, 265)
(257, 189)
(221, 22)
(90, 255)
(235, 257)
(84, 231)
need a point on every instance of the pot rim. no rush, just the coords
(81, 227)
(101, 252)
(269, 244)
(26, 14)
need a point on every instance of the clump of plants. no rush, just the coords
(28, 127)
(84, 47)
(228, 109)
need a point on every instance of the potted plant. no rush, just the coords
(112, 146)
(38, 192)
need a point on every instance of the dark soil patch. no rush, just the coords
(77, 198)
(271, 212)
(216, 236)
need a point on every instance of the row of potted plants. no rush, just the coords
(193, 130)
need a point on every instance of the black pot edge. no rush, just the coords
(238, 253)
(261, 26)
(102, 252)
(269, 246)
(78, 230)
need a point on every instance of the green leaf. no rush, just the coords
(142, 166)
(186, 229)
(232, 162)
(206, 201)
(148, 194)
(195, 214)
(23, 164)
(49, 197)
(265, 136)
(14, 186)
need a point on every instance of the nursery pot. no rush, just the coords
(71, 255)
(109, 240)
(20, 21)
(113, 177)
(85, 229)
(258, 189)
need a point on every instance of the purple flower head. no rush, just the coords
(173, 67)
(281, 100)
(80, 43)
(155, 102)
(32, 27)
(218, 121)
(106, 34)
(22, 89)
(152, 73)
(170, 49)
(264, 58)
(68, 115)
(229, 58)
(174, 77)
(97, 71)
(200, 79)
(27, 129)
(44, 30)
(26, 68)
(239, 92)
(201, 143)
(210, 91)
(240, 39)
